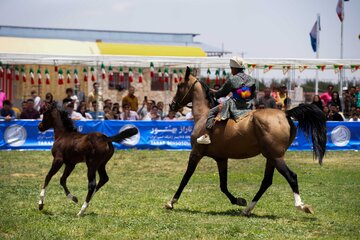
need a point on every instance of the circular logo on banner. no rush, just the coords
(15, 135)
(131, 141)
(340, 136)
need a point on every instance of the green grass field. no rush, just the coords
(130, 205)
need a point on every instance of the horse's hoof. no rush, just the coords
(246, 213)
(80, 214)
(169, 206)
(41, 206)
(74, 199)
(241, 202)
(306, 208)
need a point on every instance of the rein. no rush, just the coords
(179, 104)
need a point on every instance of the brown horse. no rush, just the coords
(269, 132)
(71, 147)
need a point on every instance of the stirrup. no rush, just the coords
(204, 139)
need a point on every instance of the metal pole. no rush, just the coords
(317, 53)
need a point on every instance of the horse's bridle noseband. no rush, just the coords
(179, 105)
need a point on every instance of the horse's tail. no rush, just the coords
(312, 121)
(129, 132)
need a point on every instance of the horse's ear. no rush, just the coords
(187, 73)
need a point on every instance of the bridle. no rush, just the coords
(179, 105)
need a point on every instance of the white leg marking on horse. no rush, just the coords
(83, 208)
(298, 201)
(42, 195)
(249, 208)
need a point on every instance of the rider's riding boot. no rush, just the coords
(204, 139)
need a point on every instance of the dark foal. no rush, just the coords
(71, 147)
(269, 132)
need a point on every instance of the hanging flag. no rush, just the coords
(32, 76)
(17, 74)
(55, 67)
(340, 10)
(8, 72)
(1, 68)
(152, 70)
(140, 75)
(111, 74)
(224, 76)
(76, 77)
(121, 74)
(181, 76)
(302, 68)
(85, 72)
(68, 76)
(39, 76)
(267, 68)
(251, 68)
(285, 69)
(160, 75)
(60, 77)
(337, 68)
(217, 77)
(321, 67)
(103, 73)
(175, 76)
(314, 34)
(208, 72)
(166, 75)
(23, 74)
(92, 70)
(131, 75)
(354, 68)
(47, 75)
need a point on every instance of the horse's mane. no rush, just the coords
(209, 95)
(68, 123)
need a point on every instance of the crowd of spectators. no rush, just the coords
(80, 107)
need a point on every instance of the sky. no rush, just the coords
(256, 28)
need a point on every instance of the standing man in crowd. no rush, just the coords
(326, 97)
(131, 99)
(37, 100)
(266, 101)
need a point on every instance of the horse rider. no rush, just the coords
(241, 86)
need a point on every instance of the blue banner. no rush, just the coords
(167, 135)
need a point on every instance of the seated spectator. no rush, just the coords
(116, 112)
(108, 103)
(335, 100)
(108, 115)
(318, 102)
(354, 117)
(30, 112)
(153, 114)
(23, 105)
(146, 107)
(160, 106)
(266, 101)
(334, 114)
(94, 109)
(171, 115)
(70, 97)
(6, 113)
(128, 114)
(83, 111)
(326, 110)
(73, 114)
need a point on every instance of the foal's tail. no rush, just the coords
(129, 132)
(312, 121)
